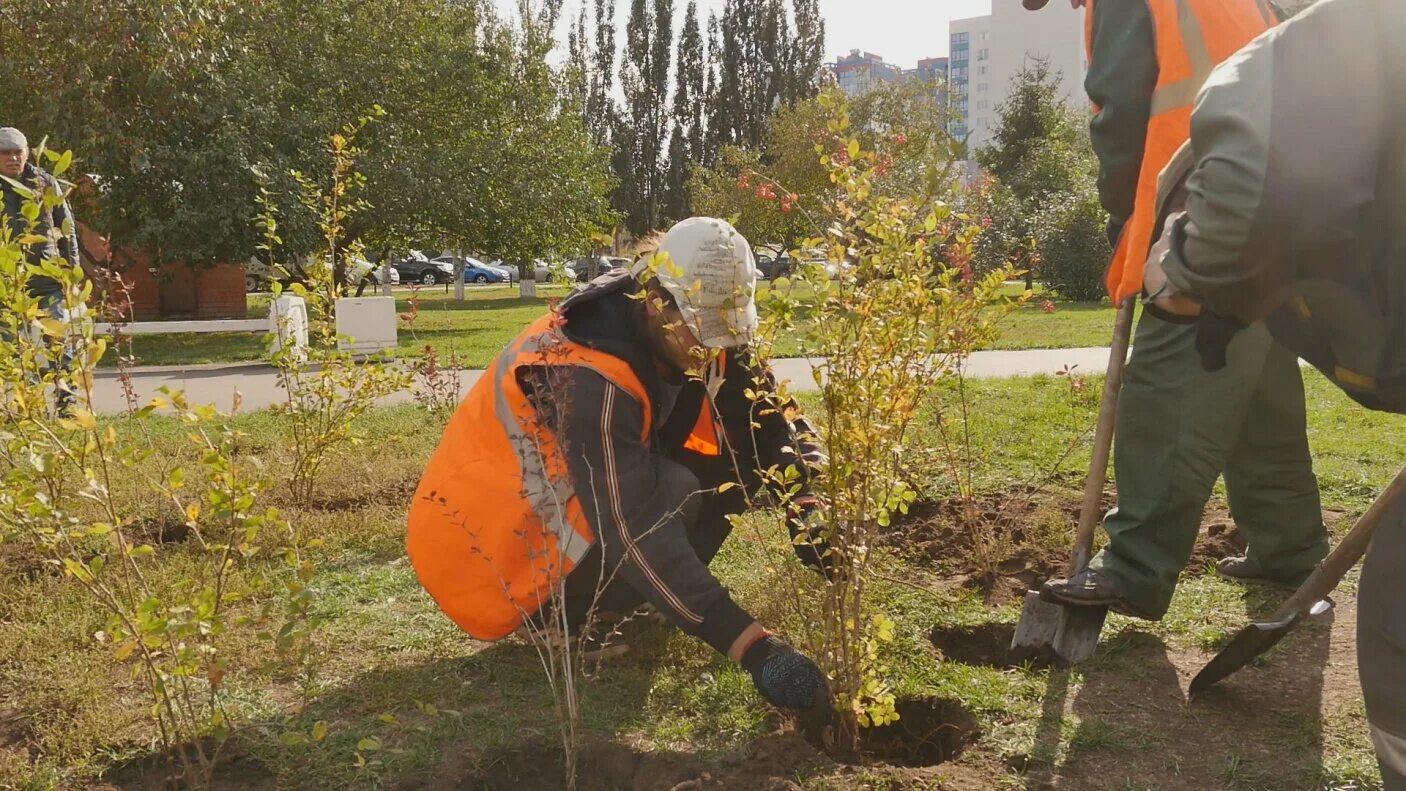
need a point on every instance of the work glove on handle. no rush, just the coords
(787, 678)
(805, 521)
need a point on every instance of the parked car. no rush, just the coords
(476, 271)
(590, 267)
(509, 271)
(771, 266)
(259, 277)
(361, 269)
(419, 268)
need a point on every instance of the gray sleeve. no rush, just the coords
(1287, 157)
(640, 505)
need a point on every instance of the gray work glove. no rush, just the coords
(787, 678)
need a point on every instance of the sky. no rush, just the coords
(902, 31)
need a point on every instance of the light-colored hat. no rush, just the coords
(708, 268)
(12, 139)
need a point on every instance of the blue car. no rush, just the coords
(475, 271)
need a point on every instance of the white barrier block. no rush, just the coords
(369, 323)
(288, 323)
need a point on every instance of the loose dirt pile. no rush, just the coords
(1007, 543)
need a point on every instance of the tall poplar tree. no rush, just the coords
(645, 80)
(686, 141)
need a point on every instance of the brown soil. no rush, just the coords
(987, 644)
(1000, 544)
(395, 493)
(1006, 544)
(929, 731)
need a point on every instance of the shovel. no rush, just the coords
(1308, 600)
(1073, 631)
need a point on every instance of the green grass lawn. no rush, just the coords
(444, 709)
(480, 326)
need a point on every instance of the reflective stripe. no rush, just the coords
(612, 488)
(1182, 93)
(546, 497)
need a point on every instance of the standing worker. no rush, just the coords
(1179, 428)
(22, 181)
(1296, 215)
(609, 444)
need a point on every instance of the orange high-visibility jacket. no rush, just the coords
(496, 523)
(1193, 37)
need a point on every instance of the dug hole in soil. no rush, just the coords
(929, 731)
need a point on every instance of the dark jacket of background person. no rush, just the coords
(55, 224)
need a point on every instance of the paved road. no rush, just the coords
(258, 386)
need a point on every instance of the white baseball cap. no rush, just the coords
(707, 266)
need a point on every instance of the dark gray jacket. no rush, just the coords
(55, 224)
(1296, 200)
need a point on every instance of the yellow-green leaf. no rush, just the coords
(319, 731)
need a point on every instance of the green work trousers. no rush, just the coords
(1179, 428)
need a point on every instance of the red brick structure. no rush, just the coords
(173, 290)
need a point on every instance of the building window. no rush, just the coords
(981, 87)
(983, 54)
(960, 38)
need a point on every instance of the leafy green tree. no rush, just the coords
(178, 107)
(686, 140)
(645, 80)
(1040, 157)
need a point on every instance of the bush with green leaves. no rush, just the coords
(890, 328)
(1073, 247)
(65, 495)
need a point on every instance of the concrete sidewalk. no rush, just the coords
(258, 387)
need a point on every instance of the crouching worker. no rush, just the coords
(591, 456)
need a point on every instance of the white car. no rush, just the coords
(360, 268)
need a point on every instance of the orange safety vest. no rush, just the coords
(1193, 37)
(495, 523)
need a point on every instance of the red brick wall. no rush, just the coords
(175, 290)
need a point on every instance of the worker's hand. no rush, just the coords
(805, 520)
(787, 678)
(1161, 293)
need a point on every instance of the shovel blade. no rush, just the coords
(1242, 649)
(1078, 633)
(1035, 633)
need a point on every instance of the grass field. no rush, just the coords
(447, 711)
(477, 328)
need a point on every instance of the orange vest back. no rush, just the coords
(495, 523)
(1193, 37)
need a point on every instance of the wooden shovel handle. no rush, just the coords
(1340, 561)
(1089, 511)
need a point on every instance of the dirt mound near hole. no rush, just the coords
(929, 731)
(1219, 538)
(1000, 544)
(1006, 543)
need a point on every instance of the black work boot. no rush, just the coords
(1089, 588)
(1241, 569)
